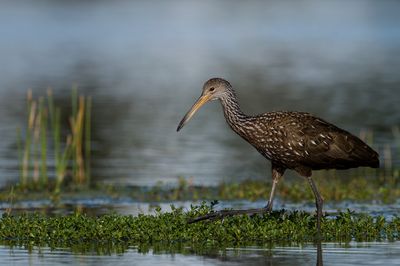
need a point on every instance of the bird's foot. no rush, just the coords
(268, 207)
(225, 213)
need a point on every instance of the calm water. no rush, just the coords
(332, 254)
(125, 206)
(144, 64)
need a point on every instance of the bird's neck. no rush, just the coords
(233, 114)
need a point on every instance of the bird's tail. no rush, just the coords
(365, 155)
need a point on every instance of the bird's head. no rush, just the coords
(213, 89)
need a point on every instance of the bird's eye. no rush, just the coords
(212, 89)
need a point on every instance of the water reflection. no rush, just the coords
(319, 254)
(383, 253)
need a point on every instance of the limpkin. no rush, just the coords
(290, 140)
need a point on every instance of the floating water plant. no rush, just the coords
(171, 228)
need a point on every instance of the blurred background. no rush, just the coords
(144, 63)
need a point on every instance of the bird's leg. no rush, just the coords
(271, 196)
(319, 201)
(319, 253)
(277, 173)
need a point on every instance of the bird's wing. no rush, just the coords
(327, 146)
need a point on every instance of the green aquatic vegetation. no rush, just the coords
(168, 229)
(42, 144)
(333, 188)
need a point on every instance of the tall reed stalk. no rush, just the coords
(77, 123)
(43, 137)
(88, 148)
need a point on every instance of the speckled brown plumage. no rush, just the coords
(298, 140)
(290, 140)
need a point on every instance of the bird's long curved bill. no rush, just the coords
(196, 106)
